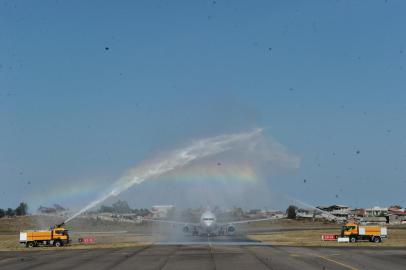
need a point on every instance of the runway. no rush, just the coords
(207, 256)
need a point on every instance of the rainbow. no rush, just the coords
(221, 172)
(67, 194)
(72, 195)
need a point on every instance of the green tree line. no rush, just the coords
(21, 210)
(122, 207)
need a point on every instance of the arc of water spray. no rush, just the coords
(175, 159)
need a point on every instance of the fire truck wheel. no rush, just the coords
(377, 239)
(30, 244)
(353, 239)
(58, 244)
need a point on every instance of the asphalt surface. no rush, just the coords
(208, 255)
(185, 239)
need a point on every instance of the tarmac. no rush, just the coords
(207, 253)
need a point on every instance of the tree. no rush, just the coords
(291, 211)
(2, 213)
(106, 209)
(121, 207)
(21, 210)
(10, 212)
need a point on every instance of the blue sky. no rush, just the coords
(90, 88)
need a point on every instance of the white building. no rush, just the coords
(161, 211)
(376, 212)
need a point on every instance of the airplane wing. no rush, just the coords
(172, 222)
(247, 221)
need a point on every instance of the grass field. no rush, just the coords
(14, 225)
(11, 242)
(284, 232)
(10, 228)
(396, 238)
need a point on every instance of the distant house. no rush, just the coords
(56, 210)
(359, 212)
(275, 214)
(255, 213)
(396, 215)
(376, 212)
(397, 211)
(337, 210)
(395, 219)
(374, 220)
(304, 213)
(46, 210)
(161, 211)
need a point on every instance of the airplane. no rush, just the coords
(208, 225)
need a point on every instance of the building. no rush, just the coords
(337, 210)
(275, 214)
(359, 212)
(305, 214)
(373, 220)
(264, 213)
(397, 215)
(161, 211)
(376, 212)
(395, 210)
(55, 210)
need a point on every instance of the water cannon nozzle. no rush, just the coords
(58, 225)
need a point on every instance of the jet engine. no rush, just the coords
(230, 229)
(185, 229)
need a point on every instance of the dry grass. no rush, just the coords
(300, 235)
(396, 238)
(14, 225)
(11, 242)
(10, 228)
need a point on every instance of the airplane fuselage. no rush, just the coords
(209, 226)
(208, 223)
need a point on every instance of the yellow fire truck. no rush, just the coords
(56, 236)
(357, 232)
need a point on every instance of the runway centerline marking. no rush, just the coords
(325, 258)
(294, 255)
(337, 262)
